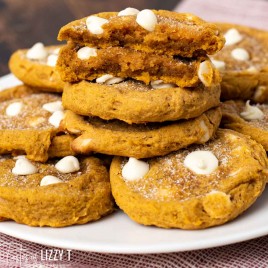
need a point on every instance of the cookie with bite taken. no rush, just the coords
(77, 63)
(157, 31)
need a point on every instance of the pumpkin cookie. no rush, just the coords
(58, 193)
(139, 141)
(194, 188)
(134, 102)
(243, 63)
(78, 63)
(29, 122)
(36, 67)
(161, 32)
(247, 119)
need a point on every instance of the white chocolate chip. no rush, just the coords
(104, 78)
(19, 157)
(56, 51)
(147, 19)
(35, 121)
(129, 11)
(108, 79)
(206, 135)
(94, 24)
(232, 37)
(205, 73)
(240, 54)
(84, 53)
(85, 143)
(234, 173)
(24, 167)
(260, 91)
(14, 108)
(213, 192)
(114, 80)
(53, 106)
(47, 180)
(157, 84)
(68, 164)
(220, 65)
(37, 52)
(56, 118)
(52, 60)
(201, 162)
(134, 169)
(252, 69)
(252, 112)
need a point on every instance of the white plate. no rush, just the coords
(118, 234)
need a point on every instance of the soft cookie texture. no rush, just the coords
(243, 63)
(75, 64)
(134, 102)
(247, 121)
(172, 194)
(26, 126)
(139, 141)
(48, 197)
(37, 69)
(170, 34)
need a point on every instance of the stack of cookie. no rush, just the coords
(138, 71)
(141, 86)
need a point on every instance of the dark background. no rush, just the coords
(25, 22)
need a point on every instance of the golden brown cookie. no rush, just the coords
(194, 188)
(26, 126)
(134, 102)
(171, 33)
(243, 63)
(75, 64)
(139, 141)
(37, 69)
(71, 198)
(247, 119)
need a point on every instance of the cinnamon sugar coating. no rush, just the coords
(82, 196)
(30, 132)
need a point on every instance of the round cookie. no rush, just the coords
(37, 67)
(247, 119)
(165, 32)
(27, 126)
(139, 141)
(194, 188)
(134, 102)
(78, 63)
(243, 63)
(75, 197)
